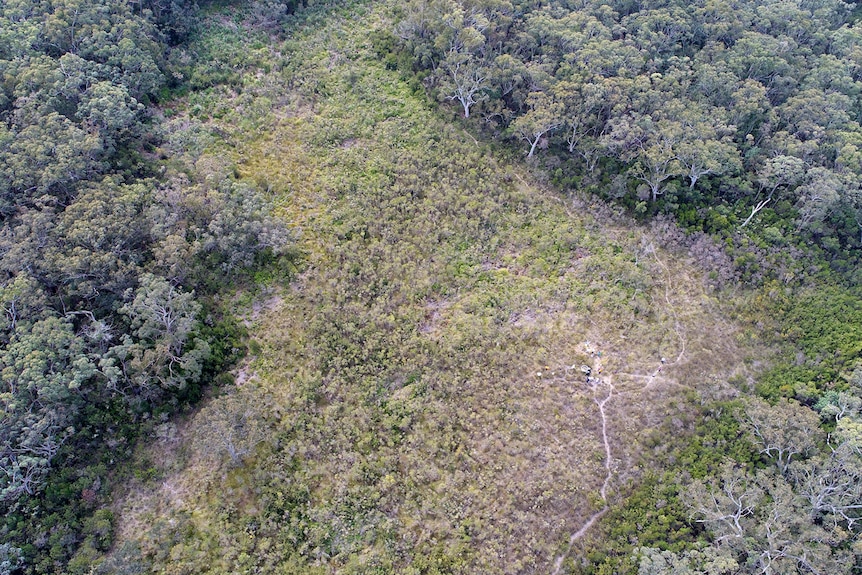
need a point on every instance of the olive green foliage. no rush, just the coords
(748, 111)
(104, 257)
(415, 403)
(654, 515)
(821, 332)
(661, 108)
(758, 487)
(791, 515)
(413, 406)
(410, 388)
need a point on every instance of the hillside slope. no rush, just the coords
(417, 403)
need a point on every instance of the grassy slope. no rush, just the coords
(412, 383)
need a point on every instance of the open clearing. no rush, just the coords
(418, 391)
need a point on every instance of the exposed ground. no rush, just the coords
(418, 392)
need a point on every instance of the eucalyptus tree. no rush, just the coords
(649, 145)
(782, 432)
(779, 173)
(546, 113)
(706, 147)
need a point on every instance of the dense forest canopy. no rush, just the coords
(734, 115)
(439, 276)
(101, 251)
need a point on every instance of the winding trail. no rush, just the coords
(601, 403)
(598, 383)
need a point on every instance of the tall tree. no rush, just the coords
(783, 431)
(163, 348)
(779, 173)
(545, 115)
(650, 145)
(466, 80)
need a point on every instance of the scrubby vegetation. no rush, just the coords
(726, 115)
(110, 261)
(635, 351)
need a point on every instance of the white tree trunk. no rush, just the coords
(533, 144)
(755, 210)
